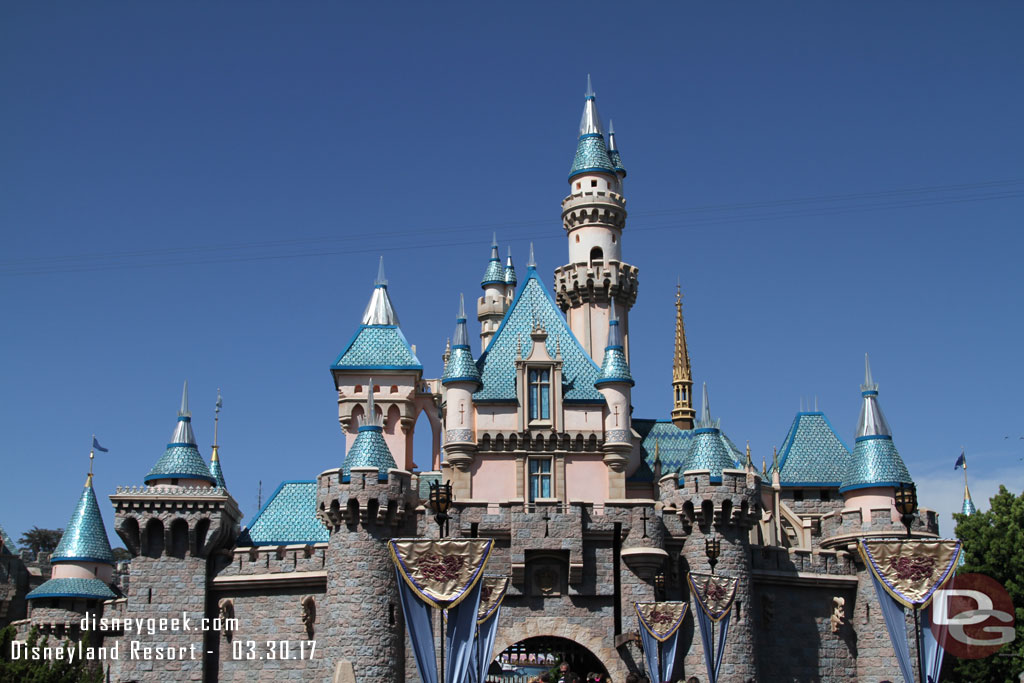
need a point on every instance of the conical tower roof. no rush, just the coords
(510, 271)
(85, 537)
(380, 311)
(215, 468)
(460, 366)
(613, 151)
(710, 451)
(495, 273)
(614, 367)
(181, 460)
(591, 151)
(969, 507)
(369, 448)
(875, 461)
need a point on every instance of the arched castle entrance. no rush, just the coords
(556, 632)
(542, 653)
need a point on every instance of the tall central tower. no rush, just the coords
(594, 216)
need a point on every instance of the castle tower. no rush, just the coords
(460, 379)
(875, 469)
(491, 307)
(682, 381)
(83, 569)
(615, 383)
(364, 503)
(594, 216)
(174, 527)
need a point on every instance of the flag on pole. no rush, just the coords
(960, 462)
(96, 446)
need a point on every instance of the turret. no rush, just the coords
(460, 379)
(175, 528)
(710, 450)
(491, 307)
(510, 278)
(682, 382)
(615, 383)
(875, 469)
(369, 449)
(594, 215)
(613, 154)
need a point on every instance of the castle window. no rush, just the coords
(394, 388)
(596, 254)
(359, 388)
(593, 183)
(578, 186)
(577, 239)
(825, 496)
(540, 394)
(798, 495)
(540, 478)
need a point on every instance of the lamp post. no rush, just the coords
(906, 504)
(712, 548)
(440, 500)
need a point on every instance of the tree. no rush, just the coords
(41, 540)
(26, 670)
(993, 544)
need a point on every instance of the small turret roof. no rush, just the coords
(7, 546)
(378, 343)
(614, 367)
(181, 460)
(215, 468)
(591, 152)
(510, 271)
(369, 448)
(73, 588)
(968, 508)
(613, 151)
(288, 517)
(812, 454)
(495, 274)
(682, 449)
(85, 537)
(460, 366)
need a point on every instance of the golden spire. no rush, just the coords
(682, 407)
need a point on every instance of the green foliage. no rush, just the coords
(26, 670)
(41, 540)
(994, 545)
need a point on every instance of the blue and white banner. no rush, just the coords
(714, 595)
(659, 632)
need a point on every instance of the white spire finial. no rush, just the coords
(611, 137)
(705, 411)
(869, 384)
(590, 124)
(382, 280)
(590, 88)
(371, 411)
(183, 412)
(532, 263)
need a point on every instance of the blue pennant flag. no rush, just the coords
(960, 462)
(96, 446)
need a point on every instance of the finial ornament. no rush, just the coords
(869, 383)
(216, 417)
(682, 407)
(371, 410)
(382, 280)
(183, 411)
(532, 263)
(590, 88)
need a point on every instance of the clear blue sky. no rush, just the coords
(201, 191)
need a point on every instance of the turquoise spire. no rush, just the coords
(510, 271)
(591, 152)
(613, 151)
(495, 274)
(369, 448)
(614, 367)
(181, 460)
(460, 366)
(875, 461)
(710, 450)
(968, 508)
(215, 468)
(85, 537)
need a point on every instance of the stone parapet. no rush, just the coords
(843, 527)
(365, 498)
(599, 281)
(594, 207)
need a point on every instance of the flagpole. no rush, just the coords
(92, 454)
(964, 452)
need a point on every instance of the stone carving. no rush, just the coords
(458, 435)
(308, 614)
(617, 436)
(226, 609)
(838, 613)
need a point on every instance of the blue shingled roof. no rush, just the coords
(616, 159)
(968, 508)
(812, 454)
(73, 588)
(218, 473)
(460, 367)
(591, 156)
(533, 304)
(495, 273)
(614, 367)
(378, 347)
(85, 537)
(7, 546)
(875, 462)
(369, 450)
(683, 449)
(289, 516)
(180, 461)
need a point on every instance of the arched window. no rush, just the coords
(596, 254)
(154, 538)
(179, 538)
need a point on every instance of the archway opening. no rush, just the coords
(423, 444)
(533, 656)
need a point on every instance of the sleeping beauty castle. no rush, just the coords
(590, 508)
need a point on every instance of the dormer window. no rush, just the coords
(539, 394)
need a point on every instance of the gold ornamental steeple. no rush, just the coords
(682, 407)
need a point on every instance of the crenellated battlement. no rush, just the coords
(843, 527)
(365, 498)
(734, 501)
(596, 281)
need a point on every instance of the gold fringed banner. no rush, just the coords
(714, 593)
(911, 570)
(661, 619)
(440, 572)
(492, 592)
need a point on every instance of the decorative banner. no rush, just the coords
(911, 570)
(661, 619)
(441, 572)
(714, 593)
(492, 592)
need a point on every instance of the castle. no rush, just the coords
(591, 509)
